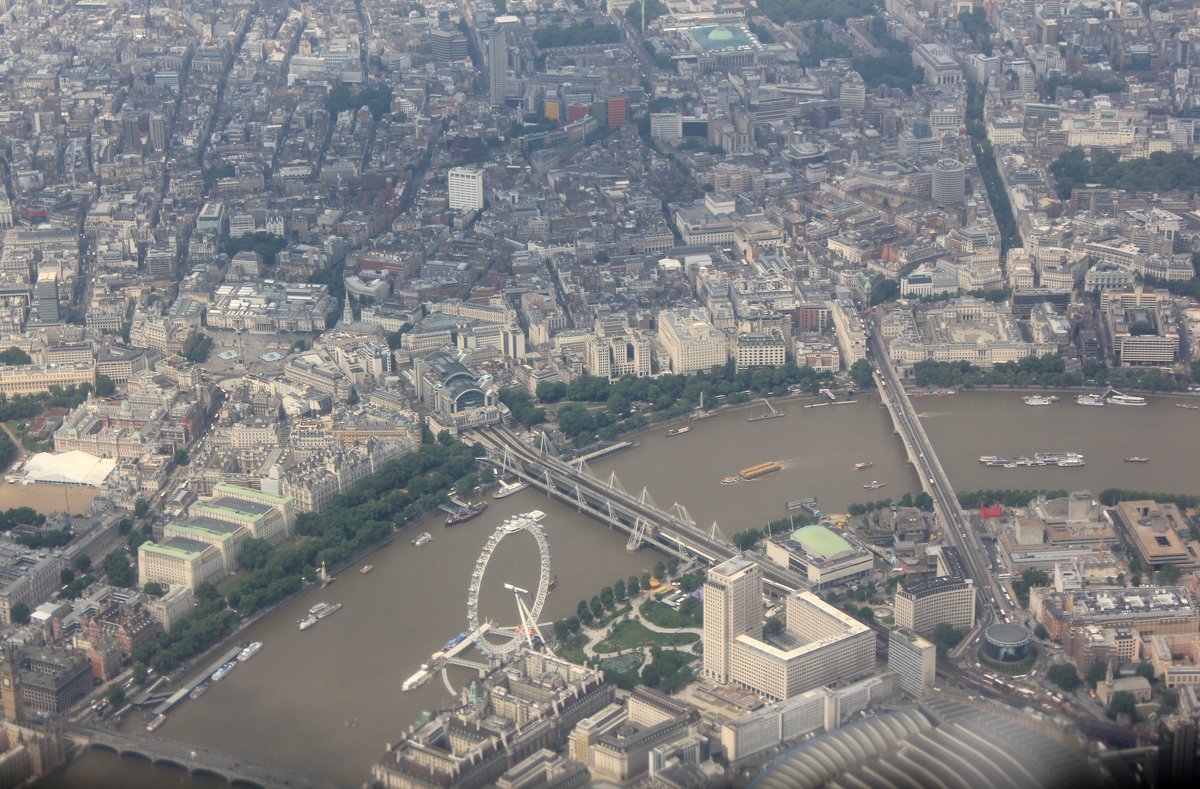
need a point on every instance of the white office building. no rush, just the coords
(690, 341)
(465, 186)
(732, 607)
(914, 660)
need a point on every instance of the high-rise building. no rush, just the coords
(949, 183)
(853, 94)
(130, 135)
(1178, 755)
(158, 132)
(927, 604)
(465, 186)
(666, 126)
(913, 659)
(732, 607)
(160, 261)
(618, 111)
(448, 45)
(497, 56)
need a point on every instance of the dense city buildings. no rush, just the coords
(259, 258)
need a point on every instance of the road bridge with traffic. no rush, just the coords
(195, 760)
(956, 524)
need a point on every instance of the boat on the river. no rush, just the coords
(418, 678)
(730, 480)
(678, 431)
(760, 470)
(1116, 398)
(1039, 400)
(467, 513)
(866, 464)
(366, 568)
(1188, 406)
(307, 622)
(1137, 459)
(423, 538)
(1060, 459)
(509, 488)
(249, 651)
(1089, 399)
(156, 721)
(875, 485)
(458, 639)
(223, 671)
(198, 691)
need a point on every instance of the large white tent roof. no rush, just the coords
(71, 468)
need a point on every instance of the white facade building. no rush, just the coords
(732, 608)
(465, 186)
(690, 341)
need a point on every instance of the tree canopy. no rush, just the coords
(377, 98)
(15, 356)
(976, 26)
(894, 69)
(1123, 703)
(945, 637)
(1088, 84)
(116, 567)
(1159, 172)
(839, 11)
(267, 245)
(821, 46)
(667, 395)
(654, 9)
(576, 35)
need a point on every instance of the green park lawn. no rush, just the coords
(632, 634)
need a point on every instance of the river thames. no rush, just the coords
(327, 701)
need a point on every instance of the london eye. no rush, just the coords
(527, 629)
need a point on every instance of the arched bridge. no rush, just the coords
(234, 770)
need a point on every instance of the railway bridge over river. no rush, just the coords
(638, 516)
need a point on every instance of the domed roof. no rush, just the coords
(720, 34)
(1007, 633)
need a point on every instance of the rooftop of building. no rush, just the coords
(241, 490)
(177, 547)
(822, 541)
(931, 586)
(1144, 600)
(251, 509)
(939, 745)
(733, 566)
(205, 529)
